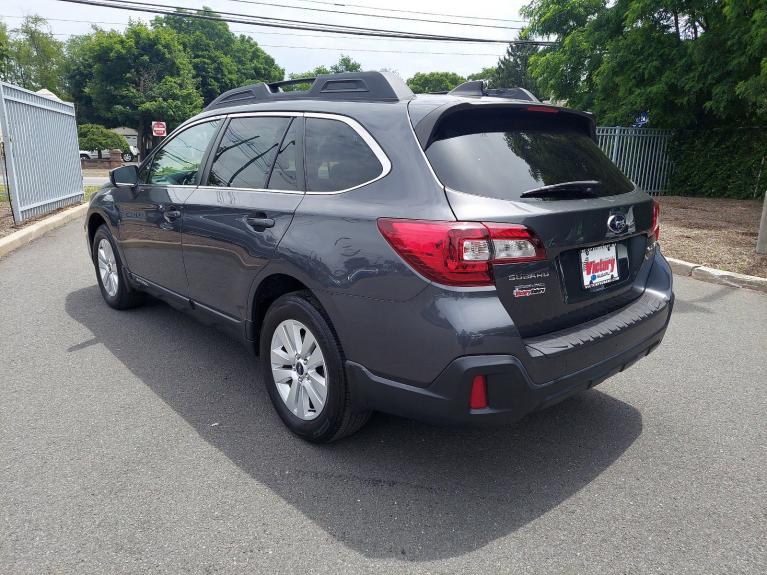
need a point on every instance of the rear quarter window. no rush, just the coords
(337, 157)
(504, 154)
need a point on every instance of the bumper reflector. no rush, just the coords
(478, 399)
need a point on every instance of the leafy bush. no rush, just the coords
(97, 137)
(425, 82)
(719, 162)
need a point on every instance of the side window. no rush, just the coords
(337, 158)
(178, 161)
(285, 171)
(247, 151)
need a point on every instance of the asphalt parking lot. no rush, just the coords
(143, 442)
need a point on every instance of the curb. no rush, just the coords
(34, 231)
(716, 276)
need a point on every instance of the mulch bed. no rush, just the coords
(715, 232)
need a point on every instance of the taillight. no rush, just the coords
(460, 253)
(478, 396)
(656, 219)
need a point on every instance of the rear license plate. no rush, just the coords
(599, 265)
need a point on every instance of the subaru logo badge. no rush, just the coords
(617, 223)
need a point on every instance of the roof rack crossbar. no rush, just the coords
(479, 88)
(358, 86)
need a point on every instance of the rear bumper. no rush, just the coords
(617, 341)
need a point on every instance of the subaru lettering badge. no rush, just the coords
(617, 223)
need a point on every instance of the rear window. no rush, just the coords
(337, 158)
(502, 155)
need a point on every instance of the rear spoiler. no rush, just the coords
(426, 127)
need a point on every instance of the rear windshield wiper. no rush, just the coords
(565, 189)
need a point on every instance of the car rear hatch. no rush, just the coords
(539, 167)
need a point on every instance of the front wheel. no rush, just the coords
(127, 157)
(302, 364)
(109, 272)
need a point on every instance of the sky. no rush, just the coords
(298, 51)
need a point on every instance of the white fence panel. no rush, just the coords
(42, 160)
(641, 153)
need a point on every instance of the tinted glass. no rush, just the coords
(502, 155)
(337, 158)
(246, 152)
(285, 171)
(178, 161)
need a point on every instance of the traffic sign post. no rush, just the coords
(159, 129)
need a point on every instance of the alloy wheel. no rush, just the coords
(108, 267)
(298, 368)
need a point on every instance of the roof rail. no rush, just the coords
(358, 86)
(478, 88)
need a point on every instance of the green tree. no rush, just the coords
(5, 51)
(135, 77)
(489, 74)
(686, 63)
(35, 59)
(220, 59)
(97, 137)
(513, 70)
(344, 64)
(425, 82)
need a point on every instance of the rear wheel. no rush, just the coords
(302, 364)
(109, 272)
(127, 156)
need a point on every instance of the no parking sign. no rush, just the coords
(159, 129)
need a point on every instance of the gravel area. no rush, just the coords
(715, 232)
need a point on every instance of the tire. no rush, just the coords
(117, 292)
(336, 418)
(85, 157)
(127, 157)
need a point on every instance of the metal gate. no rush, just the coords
(641, 153)
(40, 152)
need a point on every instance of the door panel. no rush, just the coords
(232, 225)
(152, 215)
(150, 237)
(223, 252)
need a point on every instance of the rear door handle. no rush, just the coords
(259, 223)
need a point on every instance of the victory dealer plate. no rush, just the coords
(599, 265)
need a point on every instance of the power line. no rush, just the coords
(465, 17)
(269, 22)
(351, 37)
(339, 49)
(386, 16)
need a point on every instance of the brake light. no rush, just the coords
(478, 397)
(656, 219)
(460, 253)
(545, 109)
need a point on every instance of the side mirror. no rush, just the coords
(124, 176)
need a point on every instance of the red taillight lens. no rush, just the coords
(544, 109)
(656, 219)
(478, 397)
(460, 253)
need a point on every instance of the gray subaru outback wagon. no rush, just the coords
(462, 257)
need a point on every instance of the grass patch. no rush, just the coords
(89, 191)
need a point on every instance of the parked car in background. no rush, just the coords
(465, 257)
(129, 156)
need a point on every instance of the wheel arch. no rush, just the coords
(95, 221)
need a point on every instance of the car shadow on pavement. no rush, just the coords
(398, 488)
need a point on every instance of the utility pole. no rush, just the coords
(761, 241)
